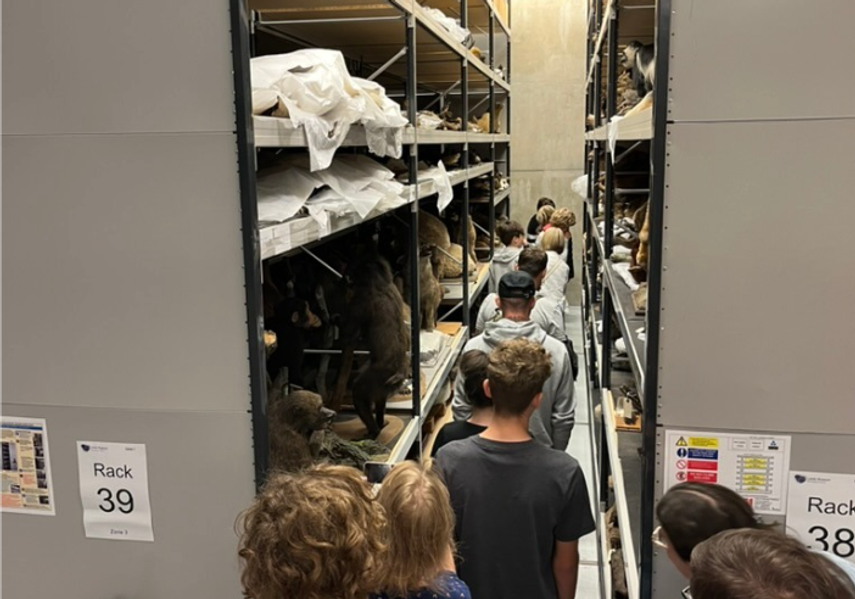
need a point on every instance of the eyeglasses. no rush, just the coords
(686, 594)
(657, 538)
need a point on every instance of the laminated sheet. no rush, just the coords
(314, 89)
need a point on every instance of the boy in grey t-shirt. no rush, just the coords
(520, 506)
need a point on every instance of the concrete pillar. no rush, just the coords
(548, 62)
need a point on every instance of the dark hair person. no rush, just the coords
(690, 513)
(762, 564)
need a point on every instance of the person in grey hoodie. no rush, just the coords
(553, 422)
(512, 236)
(547, 313)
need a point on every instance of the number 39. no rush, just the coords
(843, 545)
(123, 498)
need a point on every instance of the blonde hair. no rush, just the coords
(314, 534)
(553, 240)
(563, 218)
(421, 528)
(544, 214)
(517, 371)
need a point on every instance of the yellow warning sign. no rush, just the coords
(681, 442)
(705, 442)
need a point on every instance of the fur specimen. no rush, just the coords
(429, 287)
(374, 315)
(296, 424)
(640, 61)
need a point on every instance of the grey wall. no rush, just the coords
(548, 109)
(123, 286)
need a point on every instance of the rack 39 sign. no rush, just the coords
(114, 491)
(822, 511)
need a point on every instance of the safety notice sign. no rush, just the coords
(755, 466)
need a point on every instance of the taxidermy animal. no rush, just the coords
(374, 315)
(291, 320)
(472, 233)
(639, 271)
(297, 423)
(429, 287)
(639, 60)
(432, 231)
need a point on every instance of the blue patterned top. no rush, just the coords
(450, 587)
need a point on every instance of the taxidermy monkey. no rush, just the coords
(297, 426)
(639, 59)
(431, 290)
(374, 314)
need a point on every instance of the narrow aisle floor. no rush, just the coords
(580, 448)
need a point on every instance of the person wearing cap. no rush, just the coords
(547, 313)
(553, 421)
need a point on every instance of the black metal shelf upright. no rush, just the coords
(417, 74)
(623, 456)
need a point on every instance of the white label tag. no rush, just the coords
(822, 512)
(114, 491)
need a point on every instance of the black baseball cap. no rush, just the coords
(516, 285)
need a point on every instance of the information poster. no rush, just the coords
(821, 511)
(27, 485)
(755, 466)
(114, 491)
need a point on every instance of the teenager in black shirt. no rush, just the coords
(520, 507)
(473, 369)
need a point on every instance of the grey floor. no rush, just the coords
(580, 448)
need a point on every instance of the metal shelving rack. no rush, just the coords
(624, 457)
(400, 45)
(734, 345)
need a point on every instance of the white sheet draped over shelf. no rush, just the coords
(314, 89)
(352, 183)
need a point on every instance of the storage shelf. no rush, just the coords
(437, 375)
(625, 312)
(623, 508)
(454, 293)
(326, 21)
(636, 127)
(440, 373)
(273, 132)
(282, 238)
(405, 442)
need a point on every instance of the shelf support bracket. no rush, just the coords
(322, 263)
(388, 64)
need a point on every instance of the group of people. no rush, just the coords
(713, 537)
(500, 509)
(497, 514)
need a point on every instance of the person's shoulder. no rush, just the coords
(558, 462)
(555, 347)
(454, 450)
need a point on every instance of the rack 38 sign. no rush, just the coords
(114, 491)
(822, 511)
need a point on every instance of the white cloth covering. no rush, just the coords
(314, 89)
(353, 183)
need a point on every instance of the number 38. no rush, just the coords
(843, 540)
(123, 498)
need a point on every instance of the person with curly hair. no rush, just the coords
(563, 219)
(420, 560)
(314, 534)
(520, 507)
